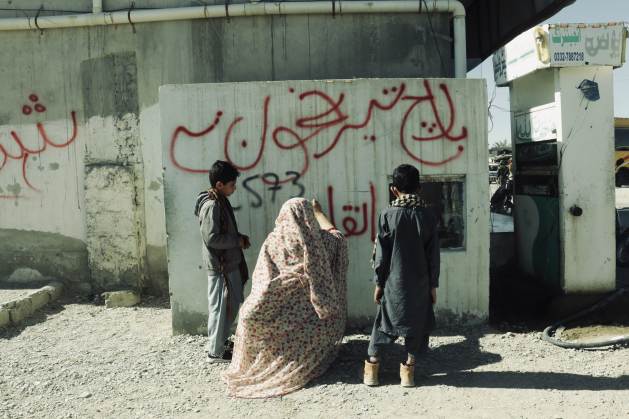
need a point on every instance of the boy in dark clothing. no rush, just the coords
(406, 264)
(222, 256)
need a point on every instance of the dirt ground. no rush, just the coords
(7, 295)
(79, 360)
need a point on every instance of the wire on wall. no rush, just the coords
(432, 30)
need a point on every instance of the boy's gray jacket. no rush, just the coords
(214, 242)
(407, 266)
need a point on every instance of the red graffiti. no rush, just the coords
(23, 152)
(373, 104)
(27, 109)
(265, 125)
(191, 134)
(364, 210)
(333, 121)
(444, 132)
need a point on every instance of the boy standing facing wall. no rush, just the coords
(406, 264)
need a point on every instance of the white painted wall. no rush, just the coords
(41, 166)
(354, 168)
(586, 179)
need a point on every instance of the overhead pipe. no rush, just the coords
(100, 18)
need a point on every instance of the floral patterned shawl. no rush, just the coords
(293, 320)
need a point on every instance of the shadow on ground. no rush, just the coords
(37, 317)
(528, 380)
(450, 365)
(445, 359)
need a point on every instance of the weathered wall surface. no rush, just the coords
(77, 99)
(335, 140)
(113, 236)
(587, 181)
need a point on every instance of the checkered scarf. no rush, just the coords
(408, 201)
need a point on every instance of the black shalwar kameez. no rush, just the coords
(406, 264)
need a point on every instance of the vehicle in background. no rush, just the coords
(621, 153)
(493, 172)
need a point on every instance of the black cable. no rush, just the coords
(491, 119)
(129, 16)
(491, 102)
(41, 31)
(434, 37)
(502, 109)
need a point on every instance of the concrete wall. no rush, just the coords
(336, 140)
(586, 180)
(83, 104)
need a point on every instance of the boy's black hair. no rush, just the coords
(406, 178)
(222, 171)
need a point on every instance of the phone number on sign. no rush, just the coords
(568, 56)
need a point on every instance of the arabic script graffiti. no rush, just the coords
(329, 122)
(20, 150)
(365, 211)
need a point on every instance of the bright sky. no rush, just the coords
(582, 11)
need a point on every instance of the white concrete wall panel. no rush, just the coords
(41, 164)
(587, 180)
(333, 140)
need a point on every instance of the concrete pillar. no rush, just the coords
(113, 173)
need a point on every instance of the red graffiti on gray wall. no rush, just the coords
(359, 219)
(19, 152)
(331, 121)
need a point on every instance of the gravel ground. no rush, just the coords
(7, 295)
(81, 361)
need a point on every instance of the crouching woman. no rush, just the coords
(293, 321)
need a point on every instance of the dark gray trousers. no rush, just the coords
(413, 345)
